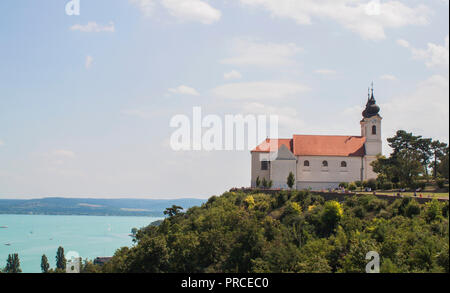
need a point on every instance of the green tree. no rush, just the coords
(439, 150)
(264, 183)
(291, 180)
(13, 264)
(331, 215)
(423, 147)
(358, 184)
(45, 266)
(433, 211)
(343, 185)
(173, 211)
(258, 182)
(443, 167)
(60, 259)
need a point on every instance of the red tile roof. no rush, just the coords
(322, 145)
(273, 145)
(318, 145)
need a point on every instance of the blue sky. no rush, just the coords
(85, 101)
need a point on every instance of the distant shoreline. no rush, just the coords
(55, 206)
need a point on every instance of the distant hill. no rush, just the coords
(94, 207)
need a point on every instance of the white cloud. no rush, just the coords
(192, 10)
(403, 43)
(388, 77)
(232, 75)
(93, 27)
(265, 90)
(88, 62)
(325, 71)
(183, 10)
(435, 55)
(368, 19)
(146, 6)
(252, 52)
(184, 90)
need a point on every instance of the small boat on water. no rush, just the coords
(3, 227)
(8, 244)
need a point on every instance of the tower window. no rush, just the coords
(264, 165)
(325, 164)
(306, 163)
(344, 164)
(374, 130)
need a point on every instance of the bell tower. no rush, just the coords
(371, 130)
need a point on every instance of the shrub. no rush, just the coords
(433, 210)
(418, 184)
(412, 209)
(249, 201)
(440, 183)
(293, 209)
(332, 214)
(359, 212)
(358, 183)
(343, 185)
(387, 186)
(372, 184)
(352, 186)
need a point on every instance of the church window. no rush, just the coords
(374, 130)
(344, 164)
(306, 163)
(264, 165)
(325, 164)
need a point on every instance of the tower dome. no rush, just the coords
(372, 109)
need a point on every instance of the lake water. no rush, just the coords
(31, 236)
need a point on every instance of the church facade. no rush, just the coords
(320, 161)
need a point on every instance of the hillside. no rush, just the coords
(292, 232)
(93, 207)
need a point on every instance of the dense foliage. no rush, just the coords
(292, 232)
(412, 157)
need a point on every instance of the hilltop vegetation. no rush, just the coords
(292, 232)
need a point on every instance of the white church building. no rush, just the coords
(321, 161)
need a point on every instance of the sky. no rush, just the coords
(86, 100)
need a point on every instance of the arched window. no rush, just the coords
(306, 163)
(344, 164)
(374, 130)
(325, 164)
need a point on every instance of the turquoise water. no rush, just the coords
(90, 236)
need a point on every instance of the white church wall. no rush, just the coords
(256, 167)
(318, 177)
(368, 171)
(280, 170)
